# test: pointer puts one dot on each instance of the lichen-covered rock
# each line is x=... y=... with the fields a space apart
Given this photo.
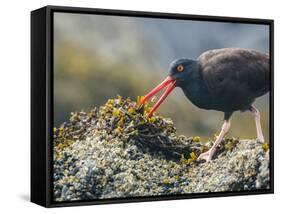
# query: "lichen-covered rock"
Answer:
x=246 y=167
x=115 y=151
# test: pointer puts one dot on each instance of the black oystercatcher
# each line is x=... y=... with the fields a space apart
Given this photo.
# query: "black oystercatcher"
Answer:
x=226 y=80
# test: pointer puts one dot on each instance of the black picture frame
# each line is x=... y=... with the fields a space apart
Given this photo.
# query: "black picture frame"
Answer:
x=42 y=102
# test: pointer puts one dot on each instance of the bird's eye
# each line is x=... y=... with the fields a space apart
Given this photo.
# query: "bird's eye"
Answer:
x=180 y=68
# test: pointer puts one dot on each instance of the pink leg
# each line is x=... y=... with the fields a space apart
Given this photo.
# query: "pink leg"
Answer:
x=256 y=114
x=207 y=156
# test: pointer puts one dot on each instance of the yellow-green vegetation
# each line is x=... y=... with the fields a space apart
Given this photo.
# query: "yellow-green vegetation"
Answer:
x=265 y=146
x=230 y=143
x=131 y=111
x=61 y=141
x=204 y=148
x=152 y=119
x=167 y=181
x=139 y=99
x=192 y=158
x=196 y=139
x=143 y=109
x=63 y=136
x=171 y=180
x=119 y=116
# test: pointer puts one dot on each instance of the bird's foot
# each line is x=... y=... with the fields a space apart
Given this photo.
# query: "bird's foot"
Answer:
x=207 y=156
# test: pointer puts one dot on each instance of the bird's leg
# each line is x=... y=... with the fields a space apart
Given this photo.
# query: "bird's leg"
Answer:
x=207 y=156
x=256 y=114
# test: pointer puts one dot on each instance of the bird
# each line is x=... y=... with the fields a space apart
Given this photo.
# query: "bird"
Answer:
x=225 y=80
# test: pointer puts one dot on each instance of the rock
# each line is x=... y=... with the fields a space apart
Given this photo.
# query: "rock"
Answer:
x=246 y=167
x=115 y=151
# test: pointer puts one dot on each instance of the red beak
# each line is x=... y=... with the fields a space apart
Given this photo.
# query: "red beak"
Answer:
x=170 y=82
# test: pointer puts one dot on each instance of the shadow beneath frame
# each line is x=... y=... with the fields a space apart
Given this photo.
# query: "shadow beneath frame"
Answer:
x=24 y=197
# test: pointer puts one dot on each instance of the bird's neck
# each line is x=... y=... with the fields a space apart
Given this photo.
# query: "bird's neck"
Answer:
x=195 y=89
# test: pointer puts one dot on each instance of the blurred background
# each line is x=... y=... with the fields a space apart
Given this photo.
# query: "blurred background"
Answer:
x=97 y=57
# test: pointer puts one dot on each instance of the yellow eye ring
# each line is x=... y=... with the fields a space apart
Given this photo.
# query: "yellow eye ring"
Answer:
x=180 y=68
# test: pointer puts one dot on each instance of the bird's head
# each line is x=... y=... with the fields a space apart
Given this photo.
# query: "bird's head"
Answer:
x=179 y=71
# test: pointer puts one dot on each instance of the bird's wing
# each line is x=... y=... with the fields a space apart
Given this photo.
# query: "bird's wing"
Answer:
x=234 y=70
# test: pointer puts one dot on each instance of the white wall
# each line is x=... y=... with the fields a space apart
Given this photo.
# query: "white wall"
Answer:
x=15 y=99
